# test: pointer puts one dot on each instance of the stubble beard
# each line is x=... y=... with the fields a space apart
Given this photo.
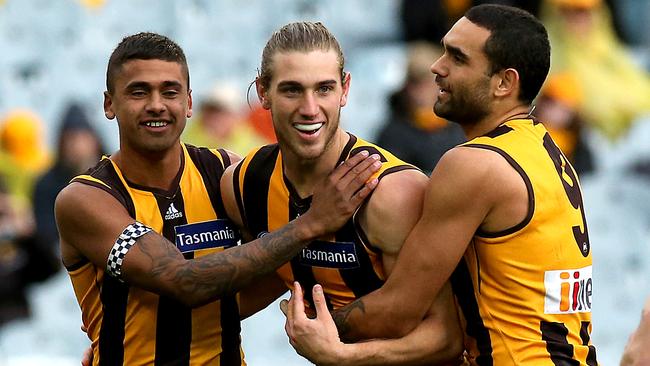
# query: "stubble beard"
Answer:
x=468 y=110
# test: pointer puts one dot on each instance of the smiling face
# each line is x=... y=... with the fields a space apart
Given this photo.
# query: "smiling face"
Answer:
x=305 y=96
x=151 y=102
x=462 y=75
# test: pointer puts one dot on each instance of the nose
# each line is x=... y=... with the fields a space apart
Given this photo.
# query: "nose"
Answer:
x=437 y=68
x=156 y=104
x=309 y=106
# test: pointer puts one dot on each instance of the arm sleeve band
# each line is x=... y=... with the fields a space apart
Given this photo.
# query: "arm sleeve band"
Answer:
x=122 y=245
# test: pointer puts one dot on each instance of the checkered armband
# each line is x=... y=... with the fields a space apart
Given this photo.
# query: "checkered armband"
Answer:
x=122 y=245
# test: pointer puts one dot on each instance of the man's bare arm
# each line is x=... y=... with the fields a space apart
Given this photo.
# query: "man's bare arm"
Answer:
x=90 y=220
x=458 y=198
x=436 y=340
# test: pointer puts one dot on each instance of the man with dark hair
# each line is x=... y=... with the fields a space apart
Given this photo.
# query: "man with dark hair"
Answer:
x=144 y=233
x=503 y=218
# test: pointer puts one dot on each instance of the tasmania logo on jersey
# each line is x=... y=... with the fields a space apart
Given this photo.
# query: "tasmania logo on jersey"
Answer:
x=568 y=291
x=342 y=255
x=206 y=235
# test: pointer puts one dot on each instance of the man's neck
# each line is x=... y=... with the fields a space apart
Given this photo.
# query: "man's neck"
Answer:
x=305 y=174
x=495 y=119
x=155 y=170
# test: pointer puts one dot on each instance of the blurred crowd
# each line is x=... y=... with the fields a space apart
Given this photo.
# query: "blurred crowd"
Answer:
x=597 y=93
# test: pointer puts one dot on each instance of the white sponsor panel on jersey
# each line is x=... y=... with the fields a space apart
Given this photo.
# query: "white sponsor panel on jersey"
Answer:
x=568 y=291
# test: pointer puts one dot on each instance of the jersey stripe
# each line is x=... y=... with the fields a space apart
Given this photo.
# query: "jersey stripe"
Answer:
x=257 y=189
x=363 y=279
x=230 y=330
x=174 y=320
x=461 y=283
x=114 y=297
x=584 y=336
x=210 y=166
x=555 y=336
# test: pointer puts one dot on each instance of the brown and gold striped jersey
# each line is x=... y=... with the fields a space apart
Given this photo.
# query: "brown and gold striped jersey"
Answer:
x=345 y=264
x=526 y=292
x=131 y=326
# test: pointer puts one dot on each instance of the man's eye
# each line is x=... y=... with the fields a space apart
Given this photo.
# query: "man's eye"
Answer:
x=292 y=90
x=325 y=89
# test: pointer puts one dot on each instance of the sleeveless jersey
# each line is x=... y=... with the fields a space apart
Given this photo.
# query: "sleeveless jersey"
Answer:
x=131 y=326
x=345 y=264
x=526 y=292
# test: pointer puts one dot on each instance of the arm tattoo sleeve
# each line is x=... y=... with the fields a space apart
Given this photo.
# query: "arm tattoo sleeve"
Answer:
x=342 y=316
x=219 y=274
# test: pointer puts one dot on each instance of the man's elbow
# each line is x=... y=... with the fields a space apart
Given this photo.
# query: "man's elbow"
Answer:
x=400 y=325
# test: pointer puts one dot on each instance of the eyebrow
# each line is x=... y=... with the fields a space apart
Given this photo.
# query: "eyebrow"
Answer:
x=146 y=85
x=295 y=83
x=455 y=51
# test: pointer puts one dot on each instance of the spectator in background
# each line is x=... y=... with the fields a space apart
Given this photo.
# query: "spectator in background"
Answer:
x=14 y=259
x=79 y=148
x=616 y=90
x=23 y=155
x=556 y=107
x=221 y=122
x=262 y=122
x=413 y=132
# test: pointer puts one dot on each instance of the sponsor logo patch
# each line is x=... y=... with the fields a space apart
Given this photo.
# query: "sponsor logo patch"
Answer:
x=172 y=212
x=206 y=235
x=568 y=291
x=341 y=255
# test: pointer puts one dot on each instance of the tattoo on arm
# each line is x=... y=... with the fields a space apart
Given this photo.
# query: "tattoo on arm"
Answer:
x=220 y=274
x=342 y=315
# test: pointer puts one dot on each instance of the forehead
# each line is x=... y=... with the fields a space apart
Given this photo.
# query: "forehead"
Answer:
x=467 y=37
x=305 y=67
x=151 y=72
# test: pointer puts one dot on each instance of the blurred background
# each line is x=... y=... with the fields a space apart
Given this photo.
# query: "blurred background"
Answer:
x=53 y=57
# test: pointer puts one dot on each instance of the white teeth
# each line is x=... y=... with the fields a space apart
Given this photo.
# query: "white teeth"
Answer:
x=308 y=127
x=156 y=124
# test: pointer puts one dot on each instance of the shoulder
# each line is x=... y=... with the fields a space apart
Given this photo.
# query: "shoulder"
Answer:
x=79 y=199
x=398 y=187
x=471 y=177
x=470 y=165
x=393 y=209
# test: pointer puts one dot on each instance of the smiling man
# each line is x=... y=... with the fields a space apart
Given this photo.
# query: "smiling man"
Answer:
x=303 y=83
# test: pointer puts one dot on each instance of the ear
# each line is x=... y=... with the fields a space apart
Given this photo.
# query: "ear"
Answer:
x=346 y=88
x=508 y=83
x=108 y=106
x=262 y=95
x=189 y=104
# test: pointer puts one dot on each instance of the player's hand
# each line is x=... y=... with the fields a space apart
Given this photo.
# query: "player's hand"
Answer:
x=635 y=352
x=340 y=194
x=315 y=339
x=87 y=356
